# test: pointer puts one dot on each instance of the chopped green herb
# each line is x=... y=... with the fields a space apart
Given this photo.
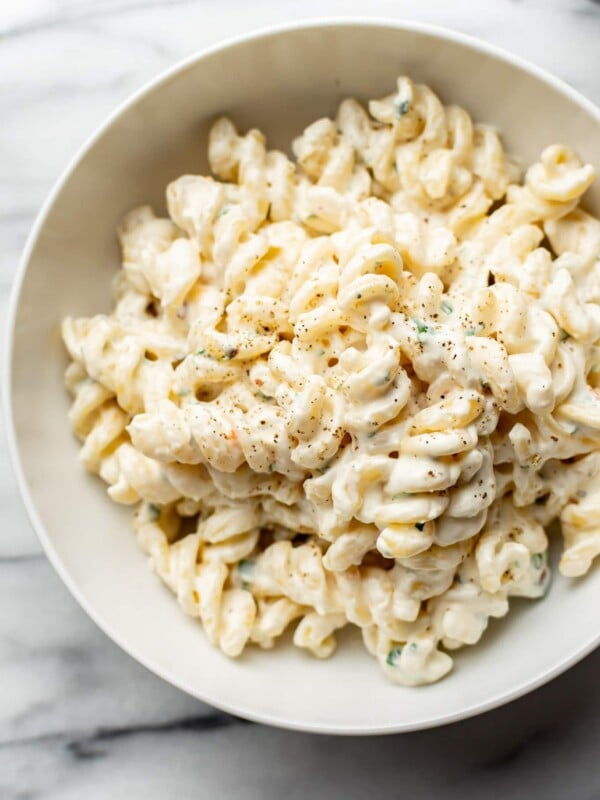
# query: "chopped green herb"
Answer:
x=372 y=434
x=421 y=326
x=447 y=307
x=394 y=656
x=383 y=380
x=153 y=512
x=271 y=467
x=323 y=470
x=413 y=647
x=223 y=210
x=475 y=331
x=419 y=525
x=246 y=568
x=264 y=396
x=423 y=330
x=200 y=352
x=401 y=107
x=485 y=384
x=321 y=352
x=537 y=560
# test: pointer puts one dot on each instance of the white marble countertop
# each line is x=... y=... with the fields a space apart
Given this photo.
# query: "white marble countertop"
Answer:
x=80 y=719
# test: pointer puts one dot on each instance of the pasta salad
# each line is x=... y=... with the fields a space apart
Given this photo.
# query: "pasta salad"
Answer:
x=354 y=387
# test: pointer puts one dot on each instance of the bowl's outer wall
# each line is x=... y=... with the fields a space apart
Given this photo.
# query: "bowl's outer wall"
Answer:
x=278 y=83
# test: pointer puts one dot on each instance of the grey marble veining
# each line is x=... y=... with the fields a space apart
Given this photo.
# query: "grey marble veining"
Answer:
x=79 y=718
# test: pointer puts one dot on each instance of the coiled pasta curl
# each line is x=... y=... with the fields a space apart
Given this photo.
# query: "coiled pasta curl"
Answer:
x=100 y=422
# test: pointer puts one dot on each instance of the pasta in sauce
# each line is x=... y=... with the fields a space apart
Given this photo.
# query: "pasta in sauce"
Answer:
x=354 y=388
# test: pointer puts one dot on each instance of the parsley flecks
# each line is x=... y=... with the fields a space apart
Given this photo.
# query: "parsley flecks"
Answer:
x=383 y=380
x=446 y=307
x=421 y=326
x=423 y=330
x=263 y=396
x=475 y=331
x=393 y=656
x=537 y=560
x=419 y=525
x=223 y=210
x=401 y=107
x=153 y=512
x=246 y=568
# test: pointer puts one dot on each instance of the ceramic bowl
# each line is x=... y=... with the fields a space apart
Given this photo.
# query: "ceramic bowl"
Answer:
x=278 y=80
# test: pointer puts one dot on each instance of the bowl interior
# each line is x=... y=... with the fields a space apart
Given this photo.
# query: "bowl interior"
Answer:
x=278 y=82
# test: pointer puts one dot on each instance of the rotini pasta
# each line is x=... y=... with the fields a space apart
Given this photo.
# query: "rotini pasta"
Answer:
x=354 y=388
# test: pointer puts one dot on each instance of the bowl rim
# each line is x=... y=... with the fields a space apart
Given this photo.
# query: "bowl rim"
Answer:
x=435 y=31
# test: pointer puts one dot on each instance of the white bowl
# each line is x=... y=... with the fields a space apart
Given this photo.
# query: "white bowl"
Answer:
x=278 y=80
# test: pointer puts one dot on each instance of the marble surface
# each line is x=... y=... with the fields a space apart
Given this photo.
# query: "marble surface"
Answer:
x=80 y=719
